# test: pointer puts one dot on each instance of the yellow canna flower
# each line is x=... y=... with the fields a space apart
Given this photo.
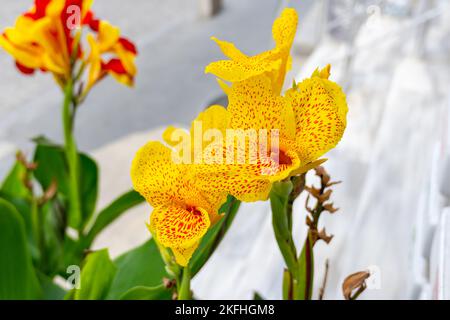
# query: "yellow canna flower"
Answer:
x=275 y=62
x=310 y=119
x=182 y=212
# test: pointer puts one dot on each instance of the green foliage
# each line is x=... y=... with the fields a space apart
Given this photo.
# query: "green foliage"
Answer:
x=17 y=277
x=52 y=166
x=214 y=235
x=141 y=266
x=112 y=212
x=96 y=276
x=147 y=293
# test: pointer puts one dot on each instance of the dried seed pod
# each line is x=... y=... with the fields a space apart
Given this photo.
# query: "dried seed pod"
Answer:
x=355 y=281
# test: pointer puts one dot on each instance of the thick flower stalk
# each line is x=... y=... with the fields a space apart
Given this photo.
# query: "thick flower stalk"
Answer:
x=49 y=38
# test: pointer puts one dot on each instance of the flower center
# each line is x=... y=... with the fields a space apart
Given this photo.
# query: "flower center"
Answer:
x=283 y=159
x=193 y=210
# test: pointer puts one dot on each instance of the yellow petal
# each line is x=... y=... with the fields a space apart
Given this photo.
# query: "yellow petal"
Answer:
x=108 y=36
x=25 y=55
x=178 y=227
x=95 y=64
x=183 y=255
x=162 y=182
x=274 y=63
x=283 y=31
x=154 y=175
x=253 y=105
x=285 y=27
x=124 y=79
x=229 y=49
x=320 y=110
x=239 y=70
x=127 y=58
x=213 y=118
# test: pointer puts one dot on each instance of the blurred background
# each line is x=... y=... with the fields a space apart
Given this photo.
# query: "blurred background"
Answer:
x=392 y=58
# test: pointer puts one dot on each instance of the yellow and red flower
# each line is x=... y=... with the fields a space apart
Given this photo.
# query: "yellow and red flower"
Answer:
x=310 y=118
x=182 y=211
x=48 y=38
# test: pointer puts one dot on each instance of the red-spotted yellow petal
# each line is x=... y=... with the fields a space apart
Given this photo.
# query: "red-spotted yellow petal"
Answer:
x=180 y=229
x=253 y=105
x=239 y=70
x=320 y=110
x=162 y=182
x=156 y=177
x=274 y=63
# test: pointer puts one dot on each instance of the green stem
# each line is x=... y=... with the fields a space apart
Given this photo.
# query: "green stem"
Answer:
x=71 y=156
x=184 y=291
x=305 y=278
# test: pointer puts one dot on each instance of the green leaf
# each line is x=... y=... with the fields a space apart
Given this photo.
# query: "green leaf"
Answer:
x=97 y=275
x=52 y=165
x=141 y=266
x=147 y=293
x=14 y=191
x=52 y=234
x=214 y=235
x=17 y=277
x=14 y=185
x=23 y=206
x=279 y=198
x=88 y=187
x=112 y=212
x=257 y=296
x=51 y=291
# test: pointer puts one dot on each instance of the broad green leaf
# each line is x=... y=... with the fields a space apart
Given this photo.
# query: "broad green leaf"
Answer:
x=73 y=253
x=24 y=207
x=17 y=276
x=141 y=266
x=147 y=293
x=52 y=165
x=214 y=235
x=14 y=185
x=52 y=238
x=14 y=191
x=50 y=290
x=112 y=212
x=97 y=275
